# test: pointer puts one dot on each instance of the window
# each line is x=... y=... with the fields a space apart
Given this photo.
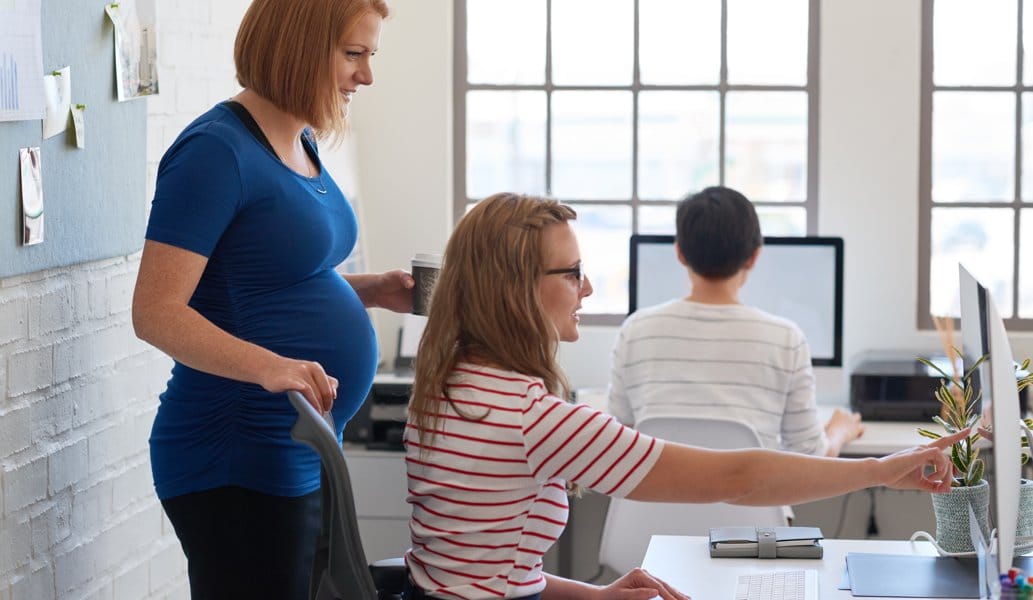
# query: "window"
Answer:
x=621 y=107
x=976 y=148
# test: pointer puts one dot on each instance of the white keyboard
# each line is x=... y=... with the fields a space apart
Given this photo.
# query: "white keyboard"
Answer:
x=778 y=585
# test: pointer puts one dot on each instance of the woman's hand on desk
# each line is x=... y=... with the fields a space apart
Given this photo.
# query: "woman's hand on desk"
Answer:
x=638 y=584
x=841 y=429
x=907 y=468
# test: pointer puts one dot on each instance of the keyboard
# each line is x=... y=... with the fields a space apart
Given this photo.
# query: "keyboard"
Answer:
x=778 y=585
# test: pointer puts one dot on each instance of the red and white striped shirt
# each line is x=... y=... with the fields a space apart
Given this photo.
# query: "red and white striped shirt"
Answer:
x=489 y=497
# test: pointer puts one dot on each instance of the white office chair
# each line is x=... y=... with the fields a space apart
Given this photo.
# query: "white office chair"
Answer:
x=629 y=524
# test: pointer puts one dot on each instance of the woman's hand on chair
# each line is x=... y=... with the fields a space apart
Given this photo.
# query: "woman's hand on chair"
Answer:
x=305 y=376
x=638 y=584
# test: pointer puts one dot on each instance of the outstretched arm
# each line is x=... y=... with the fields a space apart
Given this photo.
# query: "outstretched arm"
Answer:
x=767 y=477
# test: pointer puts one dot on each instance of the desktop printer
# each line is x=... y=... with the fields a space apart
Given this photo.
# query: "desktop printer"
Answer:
x=894 y=389
x=380 y=422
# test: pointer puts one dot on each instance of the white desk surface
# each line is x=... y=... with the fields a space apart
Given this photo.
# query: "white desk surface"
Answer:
x=685 y=563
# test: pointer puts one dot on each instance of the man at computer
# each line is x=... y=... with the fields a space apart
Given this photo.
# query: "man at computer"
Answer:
x=708 y=355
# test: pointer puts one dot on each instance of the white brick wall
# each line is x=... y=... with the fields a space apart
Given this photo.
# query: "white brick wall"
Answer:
x=78 y=391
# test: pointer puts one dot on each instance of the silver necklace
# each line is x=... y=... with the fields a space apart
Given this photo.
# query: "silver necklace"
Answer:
x=318 y=184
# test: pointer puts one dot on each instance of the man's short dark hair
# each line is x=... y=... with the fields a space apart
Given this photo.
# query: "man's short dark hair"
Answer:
x=717 y=231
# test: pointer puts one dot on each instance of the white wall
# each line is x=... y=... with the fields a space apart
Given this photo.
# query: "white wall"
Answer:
x=868 y=169
x=402 y=130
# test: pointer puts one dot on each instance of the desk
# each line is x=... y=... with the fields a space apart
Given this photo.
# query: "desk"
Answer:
x=685 y=563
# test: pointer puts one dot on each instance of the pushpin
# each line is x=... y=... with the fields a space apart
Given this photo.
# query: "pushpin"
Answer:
x=1013 y=573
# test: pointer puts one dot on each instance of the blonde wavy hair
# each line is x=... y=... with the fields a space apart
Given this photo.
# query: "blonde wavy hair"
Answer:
x=486 y=307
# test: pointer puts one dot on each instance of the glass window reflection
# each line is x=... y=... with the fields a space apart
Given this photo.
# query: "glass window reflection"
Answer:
x=981 y=239
x=766 y=145
x=505 y=142
x=591 y=141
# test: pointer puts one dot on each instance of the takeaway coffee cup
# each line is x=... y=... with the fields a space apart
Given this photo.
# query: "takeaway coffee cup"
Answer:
x=425 y=269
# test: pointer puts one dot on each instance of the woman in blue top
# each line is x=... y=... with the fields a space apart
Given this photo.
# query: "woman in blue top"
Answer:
x=237 y=283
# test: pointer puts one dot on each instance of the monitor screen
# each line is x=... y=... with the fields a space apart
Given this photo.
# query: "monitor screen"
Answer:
x=799 y=278
x=983 y=332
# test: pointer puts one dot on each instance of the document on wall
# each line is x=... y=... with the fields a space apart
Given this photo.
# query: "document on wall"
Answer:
x=136 y=47
x=32 y=196
x=79 y=124
x=21 y=61
x=57 y=91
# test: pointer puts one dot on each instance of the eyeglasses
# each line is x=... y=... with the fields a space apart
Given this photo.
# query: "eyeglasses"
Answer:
x=575 y=271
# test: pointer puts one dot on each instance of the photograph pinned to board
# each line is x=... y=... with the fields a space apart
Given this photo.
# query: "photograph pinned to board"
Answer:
x=32 y=196
x=21 y=61
x=57 y=90
x=79 y=125
x=136 y=47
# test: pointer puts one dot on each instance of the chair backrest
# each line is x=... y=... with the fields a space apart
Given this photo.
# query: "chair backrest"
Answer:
x=340 y=569
x=630 y=524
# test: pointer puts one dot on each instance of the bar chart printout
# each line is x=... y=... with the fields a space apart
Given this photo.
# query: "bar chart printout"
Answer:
x=21 y=61
x=8 y=83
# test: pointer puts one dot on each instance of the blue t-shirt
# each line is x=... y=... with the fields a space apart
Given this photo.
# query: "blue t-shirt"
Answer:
x=272 y=242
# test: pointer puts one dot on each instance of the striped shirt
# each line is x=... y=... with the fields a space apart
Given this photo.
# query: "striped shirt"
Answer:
x=489 y=496
x=725 y=361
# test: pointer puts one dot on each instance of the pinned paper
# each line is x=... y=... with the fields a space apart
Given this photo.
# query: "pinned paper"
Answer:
x=79 y=123
x=32 y=196
x=136 y=47
x=21 y=61
x=57 y=90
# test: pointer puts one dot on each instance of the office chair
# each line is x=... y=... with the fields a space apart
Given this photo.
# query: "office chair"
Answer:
x=630 y=524
x=340 y=569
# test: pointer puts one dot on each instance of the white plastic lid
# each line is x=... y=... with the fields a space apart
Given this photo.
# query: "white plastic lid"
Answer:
x=427 y=260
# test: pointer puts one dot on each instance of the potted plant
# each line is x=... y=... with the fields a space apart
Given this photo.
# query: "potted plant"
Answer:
x=959 y=403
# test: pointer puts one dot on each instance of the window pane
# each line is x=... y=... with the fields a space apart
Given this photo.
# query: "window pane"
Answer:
x=591 y=143
x=774 y=220
x=1027 y=40
x=669 y=31
x=1026 y=182
x=603 y=233
x=974 y=44
x=1026 y=265
x=505 y=142
x=677 y=143
x=973 y=146
x=656 y=219
x=782 y=221
x=979 y=238
x=766 y=145
x=767 y=41
x=494 y=28
x=592 y=42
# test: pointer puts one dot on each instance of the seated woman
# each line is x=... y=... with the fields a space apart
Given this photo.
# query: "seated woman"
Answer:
x=493 y=447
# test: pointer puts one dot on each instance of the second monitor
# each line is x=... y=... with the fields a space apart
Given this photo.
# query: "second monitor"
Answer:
x=799 y=278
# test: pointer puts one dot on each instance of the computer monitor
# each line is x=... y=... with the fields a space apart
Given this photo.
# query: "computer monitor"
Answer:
x=799 y=278
x=982 y=331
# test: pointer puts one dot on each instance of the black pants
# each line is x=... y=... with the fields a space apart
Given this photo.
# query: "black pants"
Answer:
x=241 y=543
